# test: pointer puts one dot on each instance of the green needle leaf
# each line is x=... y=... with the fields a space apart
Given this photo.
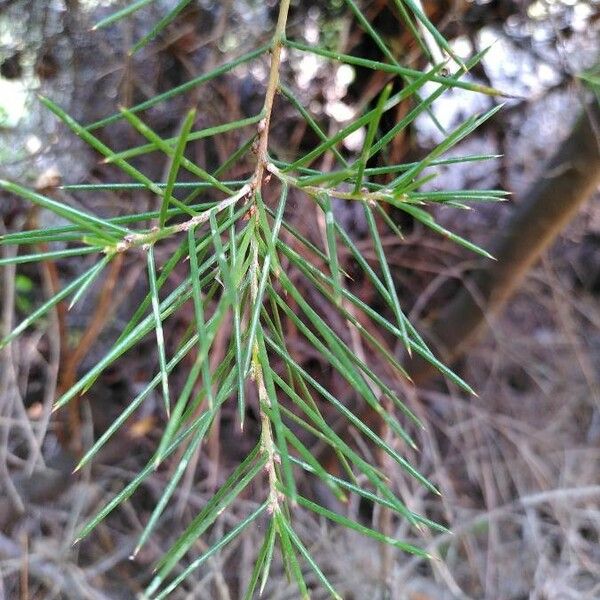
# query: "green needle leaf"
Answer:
x=367 y=531
x=52 y=302
x=121 y=14
x=203 y=340
x=85 y=135
x=396 y=69
x=168 y=18
x=263 y=563
x=309 y=559
x=56 y=255
x=370 y=137
x=332 y=252
x=235 y=532
x=246 y=471
x=228 y=66
x=193 y=168
x=182 y=465
x=428 y=221
x=160 y=339
x=135 y=404
x=86 y=221
x=290 y=560
x=88 y=282
x=387 y=276
x=431 y=29
x=193 y=136
x=175 y=162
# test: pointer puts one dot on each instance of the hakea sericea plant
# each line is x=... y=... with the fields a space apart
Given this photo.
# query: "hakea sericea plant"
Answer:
x=232 y=251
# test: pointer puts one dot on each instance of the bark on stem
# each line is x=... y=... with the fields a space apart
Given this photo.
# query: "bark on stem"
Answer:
x=264 y=125
x=272 y=86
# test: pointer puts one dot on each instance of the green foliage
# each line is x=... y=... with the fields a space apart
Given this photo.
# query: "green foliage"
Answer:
x=591 y=78
x=233 y=253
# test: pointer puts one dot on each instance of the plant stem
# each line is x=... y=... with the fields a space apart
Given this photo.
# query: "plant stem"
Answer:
x=262 y=149
x=253 y=187
x=312 y=190
x=262 y=153
x=267 y=443
x=144 y=239
x=272 y=86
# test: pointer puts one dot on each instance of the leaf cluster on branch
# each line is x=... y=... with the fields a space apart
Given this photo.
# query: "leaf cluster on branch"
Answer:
x=238 y=265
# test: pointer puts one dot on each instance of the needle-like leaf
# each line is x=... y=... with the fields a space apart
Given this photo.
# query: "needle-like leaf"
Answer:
x=86 y=221
x=164 y=22
x=160 y=338
x=121 y=14
x=175 y=162
x=52 y=302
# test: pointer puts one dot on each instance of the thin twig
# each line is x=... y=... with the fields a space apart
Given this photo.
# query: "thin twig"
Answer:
x=272 y=86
